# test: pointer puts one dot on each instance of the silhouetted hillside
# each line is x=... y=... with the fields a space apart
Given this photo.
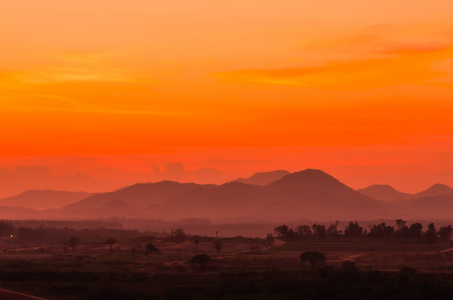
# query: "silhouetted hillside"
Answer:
x=315 y=194
x=309 y=194
x=389 y=194
x=263 y=178
x=383 y=192
x=437 y=207
x=11 y=212
x=435 y=190
x=139 y=195
x=44 y=199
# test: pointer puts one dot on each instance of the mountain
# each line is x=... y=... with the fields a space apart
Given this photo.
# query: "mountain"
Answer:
x=309 y=194
x=383 y=192
x=388 y=194
x=139 y=195
x=12 y=212
x=263 y=178
x=433 y=207
x=315 y=194
x=44 y=199
x=435 y=190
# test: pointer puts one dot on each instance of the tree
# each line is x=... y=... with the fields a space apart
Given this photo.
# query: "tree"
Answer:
x=303 y=231
x=178 y=234
x=200 y=259
x=445 y=232
x=333 y=229
x=415 y=230
x=353 y=229
x=431 y=234
x=73 y=242
x=315 y=258
x=110 y=242
x=196 y=242
x=381 y=230
x=218 y=245
x=400 y=223
x=319 y=230
x=6 y=229
x=270 y=237
x=282 y=230
x=150 y=248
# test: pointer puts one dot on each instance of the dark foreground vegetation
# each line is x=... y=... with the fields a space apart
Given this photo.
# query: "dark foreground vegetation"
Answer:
x=125 y=264
x=118 y=279
x=375 y=231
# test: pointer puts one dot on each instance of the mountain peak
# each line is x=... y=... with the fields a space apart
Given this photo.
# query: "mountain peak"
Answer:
x=312 y=175
x=309 y=178
x=263 y=178
x=436 y=190
x=383 y=192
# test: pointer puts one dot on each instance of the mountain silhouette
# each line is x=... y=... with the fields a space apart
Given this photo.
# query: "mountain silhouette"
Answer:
x=434 y=207
x=389 y=194
x=44 y=199
x=310 y=194
x=317 y=195
x=139 y=195
x=263 y=178
x=384 y=192
x=435 y=190
x=18 y=213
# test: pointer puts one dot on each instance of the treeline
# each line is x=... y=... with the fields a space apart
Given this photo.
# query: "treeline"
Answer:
x=43 y=234
x=354 y=230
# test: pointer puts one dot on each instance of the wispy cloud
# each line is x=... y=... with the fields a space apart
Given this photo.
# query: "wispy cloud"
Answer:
x=400 y=65
x=376 y=56
x=80 y=82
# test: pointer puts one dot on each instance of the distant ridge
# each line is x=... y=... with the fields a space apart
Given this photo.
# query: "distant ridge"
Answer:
x=389 y=194
x=263 y=178
x=44 y=199
x=384 y=192
x=309 y=194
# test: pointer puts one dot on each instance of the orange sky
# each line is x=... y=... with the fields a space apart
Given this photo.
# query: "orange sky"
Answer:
x=139 y=90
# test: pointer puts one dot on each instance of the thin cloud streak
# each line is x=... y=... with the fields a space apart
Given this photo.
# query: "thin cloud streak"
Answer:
x=402 y=65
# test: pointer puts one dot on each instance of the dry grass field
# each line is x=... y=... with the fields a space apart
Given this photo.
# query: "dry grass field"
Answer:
x=262 y=267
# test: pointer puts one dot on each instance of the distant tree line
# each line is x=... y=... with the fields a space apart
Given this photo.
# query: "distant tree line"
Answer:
x=354 y=230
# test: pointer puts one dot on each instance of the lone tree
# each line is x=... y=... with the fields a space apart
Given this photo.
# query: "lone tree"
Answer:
x=315 y=258
x=110 y=242
x=218 y=245
x=200 y=259
x=73 y=242
x=196 y=243
x=150 y=248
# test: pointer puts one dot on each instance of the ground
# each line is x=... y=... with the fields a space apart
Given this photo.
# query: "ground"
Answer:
x=91 y=272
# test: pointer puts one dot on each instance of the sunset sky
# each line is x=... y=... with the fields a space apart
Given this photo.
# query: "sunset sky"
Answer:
x=96 y=94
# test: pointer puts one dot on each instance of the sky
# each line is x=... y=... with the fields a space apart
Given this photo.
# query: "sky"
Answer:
x=98 y=94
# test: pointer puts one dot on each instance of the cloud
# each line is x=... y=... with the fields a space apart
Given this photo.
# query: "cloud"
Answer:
x=400 y=65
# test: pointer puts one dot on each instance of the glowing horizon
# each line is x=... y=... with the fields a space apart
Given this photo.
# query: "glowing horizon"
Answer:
x=119 y=91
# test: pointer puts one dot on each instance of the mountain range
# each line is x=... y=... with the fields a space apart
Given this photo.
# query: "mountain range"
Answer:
x=274 y=196
x=389 y=194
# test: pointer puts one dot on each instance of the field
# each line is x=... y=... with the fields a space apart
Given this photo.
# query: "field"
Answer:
x=244 y=268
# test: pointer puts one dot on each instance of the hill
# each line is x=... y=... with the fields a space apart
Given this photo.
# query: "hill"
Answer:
x=44 y=199
x=263 y=178
x=389 y=194
x=383 y=192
